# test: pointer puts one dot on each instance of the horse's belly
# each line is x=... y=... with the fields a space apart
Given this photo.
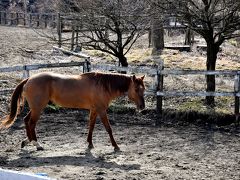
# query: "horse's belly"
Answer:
x=71 y=101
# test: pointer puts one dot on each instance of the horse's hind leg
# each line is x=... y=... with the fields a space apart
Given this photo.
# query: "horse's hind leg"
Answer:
x=92 y=121
x=26 y=121
x=32 y=125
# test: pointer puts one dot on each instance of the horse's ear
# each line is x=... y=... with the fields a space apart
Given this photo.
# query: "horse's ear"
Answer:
x=134 y=78
x=143 y=77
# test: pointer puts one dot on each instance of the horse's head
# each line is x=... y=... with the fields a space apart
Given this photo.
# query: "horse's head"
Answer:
x=136 y=91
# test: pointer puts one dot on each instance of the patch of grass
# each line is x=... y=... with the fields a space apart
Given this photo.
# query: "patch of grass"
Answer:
x=174 y=59
x=193 y=104
x=120 y=109
x=121 y=105
x=194 y=116
x=233 y=42
x=99 y=54
x=135 y=56
x=227 y=64
x=52 y=108
x=139 y=56
x=222 y=105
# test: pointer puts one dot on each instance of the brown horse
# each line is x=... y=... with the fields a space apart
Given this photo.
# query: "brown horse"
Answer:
x=93 y=91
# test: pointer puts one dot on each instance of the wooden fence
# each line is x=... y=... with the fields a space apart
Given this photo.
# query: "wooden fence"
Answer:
x=161 y=93
x=36 y=20
x=27 y=68
x=156 y=71
x=158 y=90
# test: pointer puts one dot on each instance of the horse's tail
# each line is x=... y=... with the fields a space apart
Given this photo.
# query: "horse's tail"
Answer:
x=15 y=99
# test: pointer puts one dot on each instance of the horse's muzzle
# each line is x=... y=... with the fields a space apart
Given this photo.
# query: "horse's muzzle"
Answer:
x=141 y=107
x=142 y=104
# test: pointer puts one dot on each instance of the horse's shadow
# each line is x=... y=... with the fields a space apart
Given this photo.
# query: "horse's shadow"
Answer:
x=27 y=159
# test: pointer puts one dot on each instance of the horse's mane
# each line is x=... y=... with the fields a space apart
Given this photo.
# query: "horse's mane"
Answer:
x=111 y=82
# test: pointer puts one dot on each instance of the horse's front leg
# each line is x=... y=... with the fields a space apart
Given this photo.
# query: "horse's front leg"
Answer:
x=92 y=121
x=105 y=121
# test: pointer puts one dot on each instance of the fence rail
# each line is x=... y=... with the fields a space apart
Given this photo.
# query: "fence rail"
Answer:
x=26 y=68
x=151 y=71
x=199 y=93
x=199 y=72
x=6 y=91
x=40 y=66
x=161 y=93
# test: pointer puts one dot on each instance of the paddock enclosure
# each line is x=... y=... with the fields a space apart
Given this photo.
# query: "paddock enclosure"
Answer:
x=172 y=151
x=179 y=148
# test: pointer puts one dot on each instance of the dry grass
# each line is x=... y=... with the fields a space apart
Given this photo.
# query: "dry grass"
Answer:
x=228 y=59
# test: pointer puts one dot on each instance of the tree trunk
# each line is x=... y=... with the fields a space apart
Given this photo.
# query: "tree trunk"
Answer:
x=123 y=60
x=157 y=33
x=212 y=50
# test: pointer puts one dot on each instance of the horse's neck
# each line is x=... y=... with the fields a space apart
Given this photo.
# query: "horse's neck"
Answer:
x=117 y=86
x=119 y=94
x=116 y=94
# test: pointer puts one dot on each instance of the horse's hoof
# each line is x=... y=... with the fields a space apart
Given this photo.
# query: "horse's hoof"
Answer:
x=40 y=148
x=23 y=144
x=117 y=149
x=90 y=146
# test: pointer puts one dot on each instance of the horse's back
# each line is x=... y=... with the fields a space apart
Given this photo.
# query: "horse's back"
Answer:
x=79 y=91
x=64 y=90
x=42 y=82
x=48 y=76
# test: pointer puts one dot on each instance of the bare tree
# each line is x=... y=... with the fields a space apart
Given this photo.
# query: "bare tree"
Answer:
x=215 y=20
x=4 y=4
x=112 y=26
x=157 y=30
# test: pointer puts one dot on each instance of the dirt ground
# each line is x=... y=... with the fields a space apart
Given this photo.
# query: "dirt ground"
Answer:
x=175 y=150
x=171 y=151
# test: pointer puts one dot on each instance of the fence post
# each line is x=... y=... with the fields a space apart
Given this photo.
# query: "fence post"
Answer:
x=237 y=90
x=24 y=19
x=38 y=20
x=77 y=29
x=87 y=66
x=159 y=89
x=59 y=30
x=11 y=19
x=17 y=19
x=1 y=17
x=73 y=36
x=25 y=72
x=149 y=38
x=30 y=20
x=53 y=21
x=45 y=20
x=5 y=18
